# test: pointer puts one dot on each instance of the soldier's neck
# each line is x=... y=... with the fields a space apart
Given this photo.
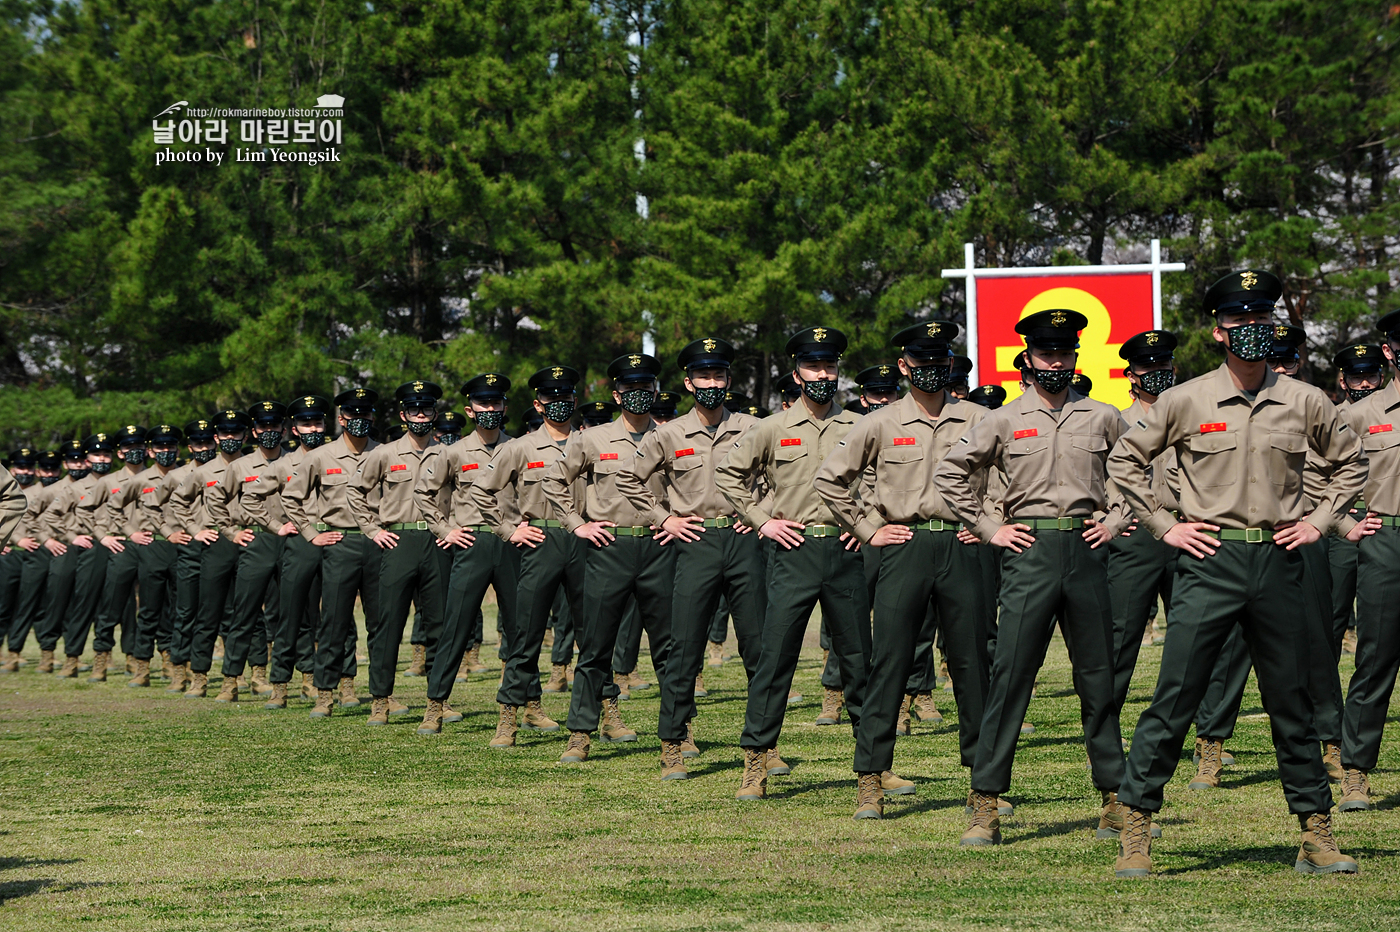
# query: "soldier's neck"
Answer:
x=1247 y=376
x=488 y=437
x=820 y=412
x=132 y=470
x=709 y=416
x=929 y=403
x=636 y=423
x=272 y=454
x=419 y=441
x=1052 y=402
x=557 y=432
x=355 y=444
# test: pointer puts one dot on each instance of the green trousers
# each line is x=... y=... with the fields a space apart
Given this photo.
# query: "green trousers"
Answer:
x=294 y=644
x=562 y=620
x=489 y=561
x=722 y=563
x=116 y=607
x=1059 y=575
x=557 y=563
x=419 y=634
x=1343 y=558
x=923 y=675
x=187 y=564
x=1259 y=587
x=629 y=639
x=156 y=565
x=411 y=567
x=1219 y=710
x=630 y=566
x=258 y=561
x=218 y=566
x=59 y=587
x=87 y=594
x=1140 y=570
x=934 y=566
x=819 y=571
x=349 y=568
x=1377 y=648
x=11 y=570
x=29 y=600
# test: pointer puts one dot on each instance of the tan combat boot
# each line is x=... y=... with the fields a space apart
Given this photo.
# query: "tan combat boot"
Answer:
x=576 y=752
x=45 y=661
x=534 y=718
x=167 y=668
x=348 y=699
x=775 y=764
x=1318 y=852
x=635 y=681
x=870 y=798
x=11 y=664
x=142 y=675
x=1332 y=760
x=700 y=691
x=1226 y=758
x=179 y=678
x=901 y=728
x=432 y=719
x=892 y=784
x=419 y=661
x=1004 y=807
x=794 y=696
x=1208 y=770
x=219 y=648
x=473 y=657
x=613 y=728
x=1134 y=844
x=1349 y=641
x=985 y=828
x=1356 y=791
x=378 y=711
x=1027 y=728
x=926 y=710
x=199 y=686
x=450 y=715
x=100 y=660
x=1111 y=818
x=130 y=664
x=558 y=678
x=18 y=659
x=261 y=686
x=623 y=689
x=325 y=702
x=463 y=668
x=278 y=699
x=396 y=707
x=242 y=683
x=716 y=654
x=754 y=785
x=229 y=691
x=308 y=686
x=505 y=728
x=673 y=761
x=689 y=748
x=832 y=701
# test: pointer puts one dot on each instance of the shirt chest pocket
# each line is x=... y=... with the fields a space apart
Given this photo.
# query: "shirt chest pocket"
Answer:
x=1382 y=451
x=398 y=474
x=1087 y=455
x=902 y=469
x=1210 y=460
x=1287 y=454
x=1026 y=456
x=686 y=475
x=335 y=477
x=791 y=465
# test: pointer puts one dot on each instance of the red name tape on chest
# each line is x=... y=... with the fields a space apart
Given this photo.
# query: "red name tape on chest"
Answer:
x=1022 y=434
x=148 y=491
x=211 y=482
x=397 y=467
x=688 y=451
x=116 y=491
x=904 y=441
x=607 y=456
x=466 y=466
x=1211 y=428
x=790 y=442
x=536 y=465
x=1380 y=428
x=334 y=472
x=251 y=478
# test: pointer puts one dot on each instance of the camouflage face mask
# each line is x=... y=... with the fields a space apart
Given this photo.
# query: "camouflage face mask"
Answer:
x=1250 y=342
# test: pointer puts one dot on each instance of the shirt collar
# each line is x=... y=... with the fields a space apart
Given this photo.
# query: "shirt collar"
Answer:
x=1225 y=385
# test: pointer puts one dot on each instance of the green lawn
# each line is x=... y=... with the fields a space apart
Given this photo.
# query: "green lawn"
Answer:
x=133 y=809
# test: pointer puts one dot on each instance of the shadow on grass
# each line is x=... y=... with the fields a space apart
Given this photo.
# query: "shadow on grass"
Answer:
x=10 y=864
x=1052 y=830
x=16 y=889
x=1282 y=856
x=899 y=810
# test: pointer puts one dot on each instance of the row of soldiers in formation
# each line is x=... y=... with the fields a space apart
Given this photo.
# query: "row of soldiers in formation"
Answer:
x=1229 y=496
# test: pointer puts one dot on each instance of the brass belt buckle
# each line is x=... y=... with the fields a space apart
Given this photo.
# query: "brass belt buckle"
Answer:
x=1064 y=524
x=1253 y=535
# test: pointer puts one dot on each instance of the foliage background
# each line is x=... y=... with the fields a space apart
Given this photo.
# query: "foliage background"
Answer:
x=804 y=161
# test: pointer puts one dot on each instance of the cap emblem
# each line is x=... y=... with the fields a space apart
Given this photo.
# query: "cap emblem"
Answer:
x=1281 y=331
x=1361 y=351
x=819 y=334
x=1153 y=339
x=709 y=345
x=490 y=378
x=884 y=370
x=417 y=386
x=1058 y=319
x=1248 y=280
x=634 y=360
x=557 y=372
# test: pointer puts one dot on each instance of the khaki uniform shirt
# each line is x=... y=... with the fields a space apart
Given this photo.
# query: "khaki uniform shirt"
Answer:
x=594 y=458
x=520 y=465
x=785 y=450
x=158 y=505
x=13 y=504
x=188 y=499
x=126 y=499
x=1163 y=473
x=1054 y=466
x=685 y=454
x=87 y=515
x=904 y=447
x=387 y=474
x=454 y=469
x=1242 y=464
x=287 y=464
x=51 y=523
x=317 y=493
x=1376 y=420
x=234 y=505
x=37 y=497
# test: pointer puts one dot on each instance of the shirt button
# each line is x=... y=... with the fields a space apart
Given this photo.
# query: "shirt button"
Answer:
x=1252 y=509
x=1251 y=449
x=1252 y=479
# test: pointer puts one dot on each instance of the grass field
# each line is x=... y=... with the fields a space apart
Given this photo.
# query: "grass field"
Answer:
x=134 y=809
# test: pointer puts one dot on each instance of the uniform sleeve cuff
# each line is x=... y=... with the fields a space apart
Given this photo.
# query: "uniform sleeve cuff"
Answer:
x=985 y=529
x=756 y=518
x=504 y=531
x=572 y=522
x=659 y=516
x=1160 y=522
x=1345 y=524
x=865 y=529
